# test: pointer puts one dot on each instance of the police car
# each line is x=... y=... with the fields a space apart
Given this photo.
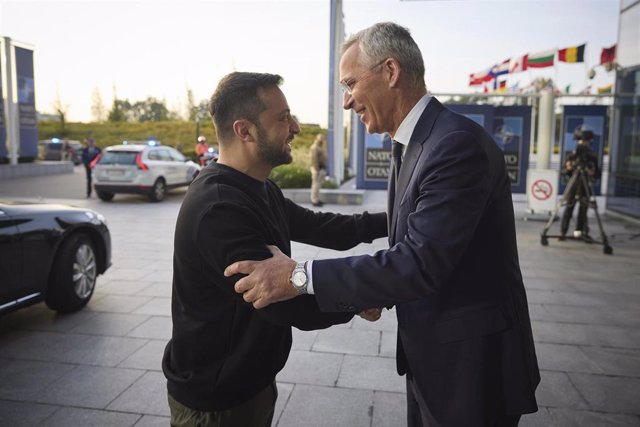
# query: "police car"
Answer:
x=141 y=167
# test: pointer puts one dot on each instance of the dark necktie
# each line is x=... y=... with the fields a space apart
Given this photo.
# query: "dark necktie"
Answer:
x=396 y=152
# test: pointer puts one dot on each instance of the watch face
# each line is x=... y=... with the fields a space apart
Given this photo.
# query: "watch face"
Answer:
x=299 y=279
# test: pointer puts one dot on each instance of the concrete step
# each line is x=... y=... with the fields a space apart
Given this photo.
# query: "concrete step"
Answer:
x=35 y=169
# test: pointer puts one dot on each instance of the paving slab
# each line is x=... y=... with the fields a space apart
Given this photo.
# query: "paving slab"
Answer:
x=103 y=362
x=146 y=396
x=66 y=417
x=21 y=414
x=332 y=407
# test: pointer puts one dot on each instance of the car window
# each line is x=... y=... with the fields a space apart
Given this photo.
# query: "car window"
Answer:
x=176 y=155
x=163 y=154
x=118 y=158
x=154 y=155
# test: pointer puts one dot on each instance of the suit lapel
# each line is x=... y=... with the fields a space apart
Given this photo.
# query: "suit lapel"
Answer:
x=411 y=156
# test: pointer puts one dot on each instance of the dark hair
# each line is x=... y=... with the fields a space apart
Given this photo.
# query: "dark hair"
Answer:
x=582 y=133
x=236 y=97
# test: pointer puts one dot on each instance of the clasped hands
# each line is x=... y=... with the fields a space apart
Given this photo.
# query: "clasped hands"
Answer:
x=267 y=282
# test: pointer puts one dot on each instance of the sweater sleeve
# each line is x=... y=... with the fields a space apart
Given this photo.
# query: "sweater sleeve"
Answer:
x=334 y=231
x=229 y=232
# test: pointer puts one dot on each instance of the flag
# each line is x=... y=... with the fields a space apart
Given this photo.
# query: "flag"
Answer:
x=502 y=86
x=518 y=64
x=501 y=69
x=606 y=89
x=572 y=54
x=585 y=91
x=540 y=59
x=608 y=55
x=481 y=77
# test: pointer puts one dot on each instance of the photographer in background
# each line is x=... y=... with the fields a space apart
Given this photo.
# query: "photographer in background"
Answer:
x=582 y=161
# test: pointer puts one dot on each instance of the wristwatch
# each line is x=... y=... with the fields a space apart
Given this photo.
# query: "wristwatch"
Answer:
x=299 y=278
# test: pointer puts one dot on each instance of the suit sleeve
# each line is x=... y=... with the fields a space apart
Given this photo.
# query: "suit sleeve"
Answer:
x=450 y=191
x=228 y=233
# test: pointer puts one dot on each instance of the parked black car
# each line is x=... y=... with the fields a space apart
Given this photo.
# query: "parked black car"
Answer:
x=52 y=253
x=55 y=148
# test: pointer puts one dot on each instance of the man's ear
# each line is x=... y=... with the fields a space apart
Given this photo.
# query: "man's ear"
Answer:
x=243 y=129
x=392 y=70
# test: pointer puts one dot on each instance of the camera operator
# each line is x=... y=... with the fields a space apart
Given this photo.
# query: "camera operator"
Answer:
x=582 y=161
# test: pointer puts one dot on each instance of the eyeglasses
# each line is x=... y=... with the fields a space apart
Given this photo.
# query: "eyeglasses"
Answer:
x=348 y=85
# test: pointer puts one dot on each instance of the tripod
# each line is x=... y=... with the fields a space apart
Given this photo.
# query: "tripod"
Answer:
x=579 y=181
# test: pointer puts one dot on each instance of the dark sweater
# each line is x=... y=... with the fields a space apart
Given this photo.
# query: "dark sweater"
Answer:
x=223 y=351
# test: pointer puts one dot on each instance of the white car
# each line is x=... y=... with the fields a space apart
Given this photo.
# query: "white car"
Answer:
x=143 y=168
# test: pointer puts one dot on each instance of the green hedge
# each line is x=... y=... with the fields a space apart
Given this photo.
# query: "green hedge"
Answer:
x=182 y=135
x=291 y=176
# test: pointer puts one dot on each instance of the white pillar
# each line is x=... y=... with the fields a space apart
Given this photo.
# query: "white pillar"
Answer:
x=336 y=117
x=546 y=121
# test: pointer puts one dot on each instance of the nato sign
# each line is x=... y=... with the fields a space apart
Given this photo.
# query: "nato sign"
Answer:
x=26 y=102
x=509 y=126
x=592 y=117
x=375 y=161
x=511 y=130
x=3 y=130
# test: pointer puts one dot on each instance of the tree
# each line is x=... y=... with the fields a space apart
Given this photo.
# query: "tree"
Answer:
x=191 y=106
x=150 y=110
x=97 y=106
x=61 y=110
x=119 y=110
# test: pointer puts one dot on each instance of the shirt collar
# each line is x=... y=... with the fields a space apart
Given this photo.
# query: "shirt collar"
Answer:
x=404 y=132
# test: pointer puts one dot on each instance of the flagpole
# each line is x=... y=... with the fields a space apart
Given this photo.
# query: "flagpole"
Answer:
x=555 y=68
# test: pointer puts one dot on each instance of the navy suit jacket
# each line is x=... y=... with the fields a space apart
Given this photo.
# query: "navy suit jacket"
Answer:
x=452 y=271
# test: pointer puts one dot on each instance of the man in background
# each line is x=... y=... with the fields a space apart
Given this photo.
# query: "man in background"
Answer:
x=318 y=169
x=583 y=163
x=89 y=153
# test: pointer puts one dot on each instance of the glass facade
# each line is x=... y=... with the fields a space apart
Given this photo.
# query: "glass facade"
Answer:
x=624 y=178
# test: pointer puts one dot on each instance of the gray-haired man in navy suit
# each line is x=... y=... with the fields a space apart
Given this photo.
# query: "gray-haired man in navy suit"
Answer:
x=464 y=334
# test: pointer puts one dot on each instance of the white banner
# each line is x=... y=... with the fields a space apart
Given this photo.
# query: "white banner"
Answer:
x=542 y=190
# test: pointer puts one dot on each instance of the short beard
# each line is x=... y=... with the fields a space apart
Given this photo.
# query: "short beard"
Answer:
x=271 y=152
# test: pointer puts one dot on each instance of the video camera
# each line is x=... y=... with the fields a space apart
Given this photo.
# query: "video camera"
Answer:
x=584 y=157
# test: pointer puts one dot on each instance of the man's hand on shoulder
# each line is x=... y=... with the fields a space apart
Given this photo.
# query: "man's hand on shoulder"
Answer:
x=266 y=281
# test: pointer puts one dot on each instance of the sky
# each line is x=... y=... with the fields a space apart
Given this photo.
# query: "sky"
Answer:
x=138 y=49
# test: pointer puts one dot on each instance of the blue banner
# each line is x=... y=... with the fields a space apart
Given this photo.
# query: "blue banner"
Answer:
x=3 y=129
x=374 y=161
x=26 y=103
x=592 y=117
x=509 y=126
x=481 y=114
x=512 y=132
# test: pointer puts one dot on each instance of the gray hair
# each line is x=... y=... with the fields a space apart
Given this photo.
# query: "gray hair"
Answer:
x=389 y=40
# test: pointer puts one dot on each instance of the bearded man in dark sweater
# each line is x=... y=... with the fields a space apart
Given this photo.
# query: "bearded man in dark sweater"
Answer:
x=223 y=356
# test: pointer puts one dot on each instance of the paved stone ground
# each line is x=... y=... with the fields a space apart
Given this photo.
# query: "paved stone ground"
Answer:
x=101 y=366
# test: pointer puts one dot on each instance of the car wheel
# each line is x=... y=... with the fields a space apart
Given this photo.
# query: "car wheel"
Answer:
x=74 y=274
x=158 y=191
x=104 y=195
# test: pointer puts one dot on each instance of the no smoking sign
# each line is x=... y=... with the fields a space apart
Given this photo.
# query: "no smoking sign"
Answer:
x=541 y=189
